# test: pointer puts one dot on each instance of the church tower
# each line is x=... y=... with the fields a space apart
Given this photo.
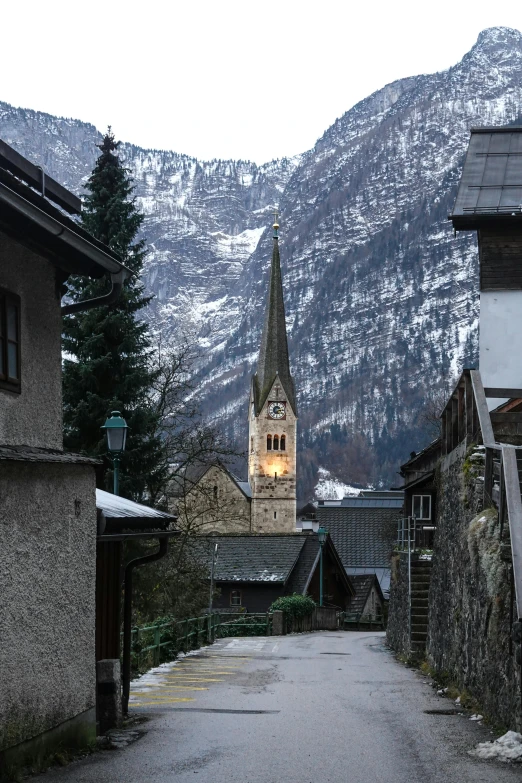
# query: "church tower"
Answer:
x=273 y=419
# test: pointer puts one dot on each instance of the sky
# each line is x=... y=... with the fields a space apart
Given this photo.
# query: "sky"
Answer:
x=252 y=80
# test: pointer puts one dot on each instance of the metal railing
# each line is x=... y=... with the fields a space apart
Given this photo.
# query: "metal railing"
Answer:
x=164 y=640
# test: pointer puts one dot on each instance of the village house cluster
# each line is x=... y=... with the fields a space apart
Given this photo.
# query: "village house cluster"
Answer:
x=444 y=551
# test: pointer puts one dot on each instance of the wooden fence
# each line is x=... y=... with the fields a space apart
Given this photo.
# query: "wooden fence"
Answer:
x=322 y=619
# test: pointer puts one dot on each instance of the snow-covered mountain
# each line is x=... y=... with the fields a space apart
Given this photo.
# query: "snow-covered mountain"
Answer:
x=381 y=298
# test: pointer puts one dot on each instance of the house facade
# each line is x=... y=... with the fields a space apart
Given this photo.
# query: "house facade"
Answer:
x=252 y=571
x=48 y=506
x=462 y=608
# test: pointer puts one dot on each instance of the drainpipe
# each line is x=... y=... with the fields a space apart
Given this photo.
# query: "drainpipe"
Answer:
x=214 y=561
x=410 y=520
x=127 y=616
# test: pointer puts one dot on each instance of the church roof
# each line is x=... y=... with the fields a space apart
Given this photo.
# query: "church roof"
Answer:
x=273 y=355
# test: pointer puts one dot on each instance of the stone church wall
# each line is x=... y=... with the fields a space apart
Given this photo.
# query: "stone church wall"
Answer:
x=215 y=505
x=469 y=603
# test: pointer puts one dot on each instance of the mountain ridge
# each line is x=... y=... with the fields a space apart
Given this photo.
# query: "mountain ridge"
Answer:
x=381 y=300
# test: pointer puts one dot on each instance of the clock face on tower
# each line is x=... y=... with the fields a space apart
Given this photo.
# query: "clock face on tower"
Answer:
x=277 y=410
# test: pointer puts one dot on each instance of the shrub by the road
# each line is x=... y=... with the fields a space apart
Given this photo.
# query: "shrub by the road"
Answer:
x=294 y=605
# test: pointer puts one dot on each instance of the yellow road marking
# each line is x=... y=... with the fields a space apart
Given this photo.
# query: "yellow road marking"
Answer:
x=192 y=677
x=196 y=673
x=208 y=666
x=170 y=687
x=163 y=698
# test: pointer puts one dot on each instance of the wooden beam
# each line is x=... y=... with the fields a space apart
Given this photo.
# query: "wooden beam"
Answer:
x=514 y=506
x=491 y=392
x=469 y=408
x=461 y=414
x=505 y=418
x=488 y=478
x=21 y=167
x=454 y=422
x=486 y=428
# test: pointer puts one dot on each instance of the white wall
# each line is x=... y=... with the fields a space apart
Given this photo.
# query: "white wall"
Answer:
x=500 y=345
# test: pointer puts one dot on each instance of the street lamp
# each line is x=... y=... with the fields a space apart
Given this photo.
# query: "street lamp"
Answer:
x=321 y=535
x=116 y=429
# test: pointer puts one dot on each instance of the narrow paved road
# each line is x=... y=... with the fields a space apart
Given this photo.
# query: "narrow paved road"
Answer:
x=311 y=708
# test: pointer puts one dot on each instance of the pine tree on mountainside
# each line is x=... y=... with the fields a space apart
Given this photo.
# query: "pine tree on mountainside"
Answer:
x=110 y=344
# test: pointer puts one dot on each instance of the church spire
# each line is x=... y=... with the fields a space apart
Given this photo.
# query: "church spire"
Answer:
x=273 y=354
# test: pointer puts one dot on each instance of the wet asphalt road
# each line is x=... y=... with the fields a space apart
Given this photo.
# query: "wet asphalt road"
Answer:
x=327 y=707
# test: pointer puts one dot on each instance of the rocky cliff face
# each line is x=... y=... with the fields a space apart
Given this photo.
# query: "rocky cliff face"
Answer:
x=381 y=298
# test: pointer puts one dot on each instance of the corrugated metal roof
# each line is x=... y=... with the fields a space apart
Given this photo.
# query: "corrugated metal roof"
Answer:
x=372 y=502
x=491 y=181
x=117 y=507
x=382 y=493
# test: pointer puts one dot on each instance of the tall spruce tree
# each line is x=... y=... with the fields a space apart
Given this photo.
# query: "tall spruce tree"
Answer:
x=109 y=346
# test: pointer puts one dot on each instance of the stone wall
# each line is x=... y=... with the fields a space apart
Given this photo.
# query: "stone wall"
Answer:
x=47 y=610
x=34 y=416
x=215 y=505
x=397 y=630
x=469 y=604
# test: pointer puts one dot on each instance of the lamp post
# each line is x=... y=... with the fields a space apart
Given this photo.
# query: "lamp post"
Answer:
x=116 y=429
x=321 y=535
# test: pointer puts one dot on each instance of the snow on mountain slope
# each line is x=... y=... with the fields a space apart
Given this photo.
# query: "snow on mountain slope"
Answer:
x=382 y=300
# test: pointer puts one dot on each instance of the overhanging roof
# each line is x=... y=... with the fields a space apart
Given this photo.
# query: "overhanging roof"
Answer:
x=491 y=183
x=122 y=517
x=35 y=222
x=116 y=507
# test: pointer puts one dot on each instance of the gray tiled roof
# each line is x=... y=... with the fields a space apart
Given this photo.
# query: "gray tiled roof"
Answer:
x=363 y=584
x=31 y=454
x=363 y=536
x=304 y=566
x=491 y=182
x=254 y=558
x=383 y=576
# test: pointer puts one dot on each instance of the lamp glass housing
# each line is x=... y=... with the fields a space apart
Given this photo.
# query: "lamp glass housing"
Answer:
x=116 y=429
x=321 y=535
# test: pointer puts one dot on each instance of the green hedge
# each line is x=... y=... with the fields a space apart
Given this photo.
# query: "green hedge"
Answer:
x=294 y=605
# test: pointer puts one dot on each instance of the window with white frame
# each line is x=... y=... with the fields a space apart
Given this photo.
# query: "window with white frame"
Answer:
x=235 y=598
x=421 y=506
